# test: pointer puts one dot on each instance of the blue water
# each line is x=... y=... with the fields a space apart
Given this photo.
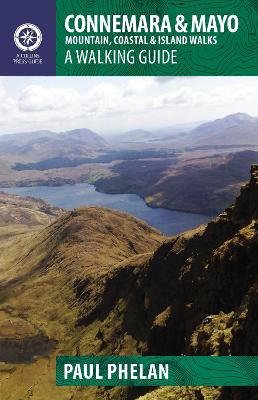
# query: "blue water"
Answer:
x=72 y=196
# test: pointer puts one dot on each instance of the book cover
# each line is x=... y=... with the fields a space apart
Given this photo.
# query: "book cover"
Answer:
x=128 y=200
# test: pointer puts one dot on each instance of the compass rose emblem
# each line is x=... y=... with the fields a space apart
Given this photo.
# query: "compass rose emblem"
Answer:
x=27 y=37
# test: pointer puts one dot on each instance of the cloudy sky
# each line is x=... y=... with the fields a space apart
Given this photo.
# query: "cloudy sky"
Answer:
x=113 y=105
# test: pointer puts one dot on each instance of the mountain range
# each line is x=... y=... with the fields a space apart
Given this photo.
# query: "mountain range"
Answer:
x=240 y=128
x=96 y=281
x=199 y=170
x=41 y=144
x=234 y=129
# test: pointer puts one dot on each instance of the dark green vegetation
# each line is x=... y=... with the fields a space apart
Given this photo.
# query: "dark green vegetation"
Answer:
x=202 y=185
x=64 y=162
x=96 y=281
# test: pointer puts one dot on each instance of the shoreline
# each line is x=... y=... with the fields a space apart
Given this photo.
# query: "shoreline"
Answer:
x=211 y=216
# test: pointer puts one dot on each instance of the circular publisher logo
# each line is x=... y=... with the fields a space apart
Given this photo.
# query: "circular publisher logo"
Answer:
x=27 y=37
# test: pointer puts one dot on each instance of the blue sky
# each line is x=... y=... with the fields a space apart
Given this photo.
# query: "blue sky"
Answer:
x=117 y=104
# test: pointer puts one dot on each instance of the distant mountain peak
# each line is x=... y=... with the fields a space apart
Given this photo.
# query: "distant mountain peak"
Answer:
x=86 y=136
x=229 y=119
x=233 y=129
x=47 y=142
x=241 y=115
x=138 y=130
x=81 y=131
x=238 y=117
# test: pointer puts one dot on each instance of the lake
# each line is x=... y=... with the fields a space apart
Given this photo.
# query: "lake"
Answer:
x=72 y=196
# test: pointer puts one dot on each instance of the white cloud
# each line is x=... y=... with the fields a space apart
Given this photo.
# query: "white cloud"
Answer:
x=40 y=106
x=139 y=85
x=35 y=98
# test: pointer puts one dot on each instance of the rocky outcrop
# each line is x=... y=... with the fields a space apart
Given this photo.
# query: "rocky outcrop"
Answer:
x=209 y=279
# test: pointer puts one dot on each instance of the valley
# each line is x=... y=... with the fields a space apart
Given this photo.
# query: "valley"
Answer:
x=169 y=222
x=64 y=292
x=196 y=169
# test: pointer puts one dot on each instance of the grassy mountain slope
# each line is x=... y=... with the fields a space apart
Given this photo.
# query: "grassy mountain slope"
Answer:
x=16 y=210
x=58 y=287
x=97 y=281
x=21 y=216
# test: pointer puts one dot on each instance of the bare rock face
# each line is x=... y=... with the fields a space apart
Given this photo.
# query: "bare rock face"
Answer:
x=209 y=279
